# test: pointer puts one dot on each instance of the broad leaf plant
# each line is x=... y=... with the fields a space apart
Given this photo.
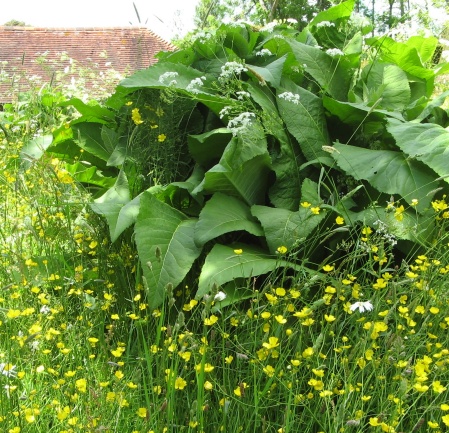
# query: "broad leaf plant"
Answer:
x=230 y=155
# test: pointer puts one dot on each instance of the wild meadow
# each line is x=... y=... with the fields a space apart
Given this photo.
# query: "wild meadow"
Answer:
x=249 y=236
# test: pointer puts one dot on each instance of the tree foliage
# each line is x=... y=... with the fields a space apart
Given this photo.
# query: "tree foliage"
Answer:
x=211 y=13
x=16 y=23
x=384 y=15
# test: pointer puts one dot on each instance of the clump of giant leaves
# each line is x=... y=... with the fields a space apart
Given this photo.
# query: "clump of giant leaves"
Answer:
x=326 y=117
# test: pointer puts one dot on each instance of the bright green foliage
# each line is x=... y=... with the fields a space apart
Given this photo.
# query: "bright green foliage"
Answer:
x=284 y=135
x=305 y=315
x=165 y=242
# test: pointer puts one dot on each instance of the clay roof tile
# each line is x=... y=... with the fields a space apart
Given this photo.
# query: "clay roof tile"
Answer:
x=36 y=51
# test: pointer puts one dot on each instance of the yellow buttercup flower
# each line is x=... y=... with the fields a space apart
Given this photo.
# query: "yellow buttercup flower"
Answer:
x=142 y=412
x=180 y=383
x=136 y=117
x=209 y=321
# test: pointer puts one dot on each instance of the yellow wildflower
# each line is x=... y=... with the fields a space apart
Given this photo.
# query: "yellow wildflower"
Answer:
x=136 y=117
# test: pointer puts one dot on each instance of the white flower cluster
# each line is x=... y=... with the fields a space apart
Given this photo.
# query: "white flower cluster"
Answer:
x=240 y=123
x=325 y=24
x=290 y=97
x=269 y=27
x=241 y=95
x=168 y=78
x=334 y=52
x=230 y=70
x=382 y=230
x=264 y=52
x=292 y=21
x=226 y=111
x=195 y=84
x=202 y=37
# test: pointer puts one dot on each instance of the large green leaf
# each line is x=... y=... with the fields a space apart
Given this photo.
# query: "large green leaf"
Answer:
x=285 y=158
x=432 y=104
x=164 y=239
x=271 y=73
x=247 y=145
x=248 y=182
x=355 y=113
x=353 y=50
x=425 y=46
x=90 y=113
x=426 y=142
x=178 y=77
x=286 y=228
x=208 y=147
x=342 y=10
x=224 y=214
x=90 y=175
x=327 y=71
x=34 y=149
x=404 y=56
x=388 y=171
x=119 y=154
x=111 y=204
x=163 y=75
x=119 y=217
x=239 y=39
x=283 y=227
x=89 y=136
x=384 y=85
x=223 y=265
x=305 y=119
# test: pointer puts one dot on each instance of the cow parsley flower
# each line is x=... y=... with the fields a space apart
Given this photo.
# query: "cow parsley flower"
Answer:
x=325 y=24
x=225 y=111
x=195 y=84
x=264 y=52
x=230 y=70
x=334 y=52
x=290 y=97
x=167 y=78
x=362 y=306
x=202 y=37
x=269 y=27
x=241 y=95
x=240 y=123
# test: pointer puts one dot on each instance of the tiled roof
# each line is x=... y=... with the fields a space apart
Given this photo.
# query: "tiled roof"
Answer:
x=124 y=49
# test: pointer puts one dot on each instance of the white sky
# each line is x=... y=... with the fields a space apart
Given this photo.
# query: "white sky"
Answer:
x=176 y=15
